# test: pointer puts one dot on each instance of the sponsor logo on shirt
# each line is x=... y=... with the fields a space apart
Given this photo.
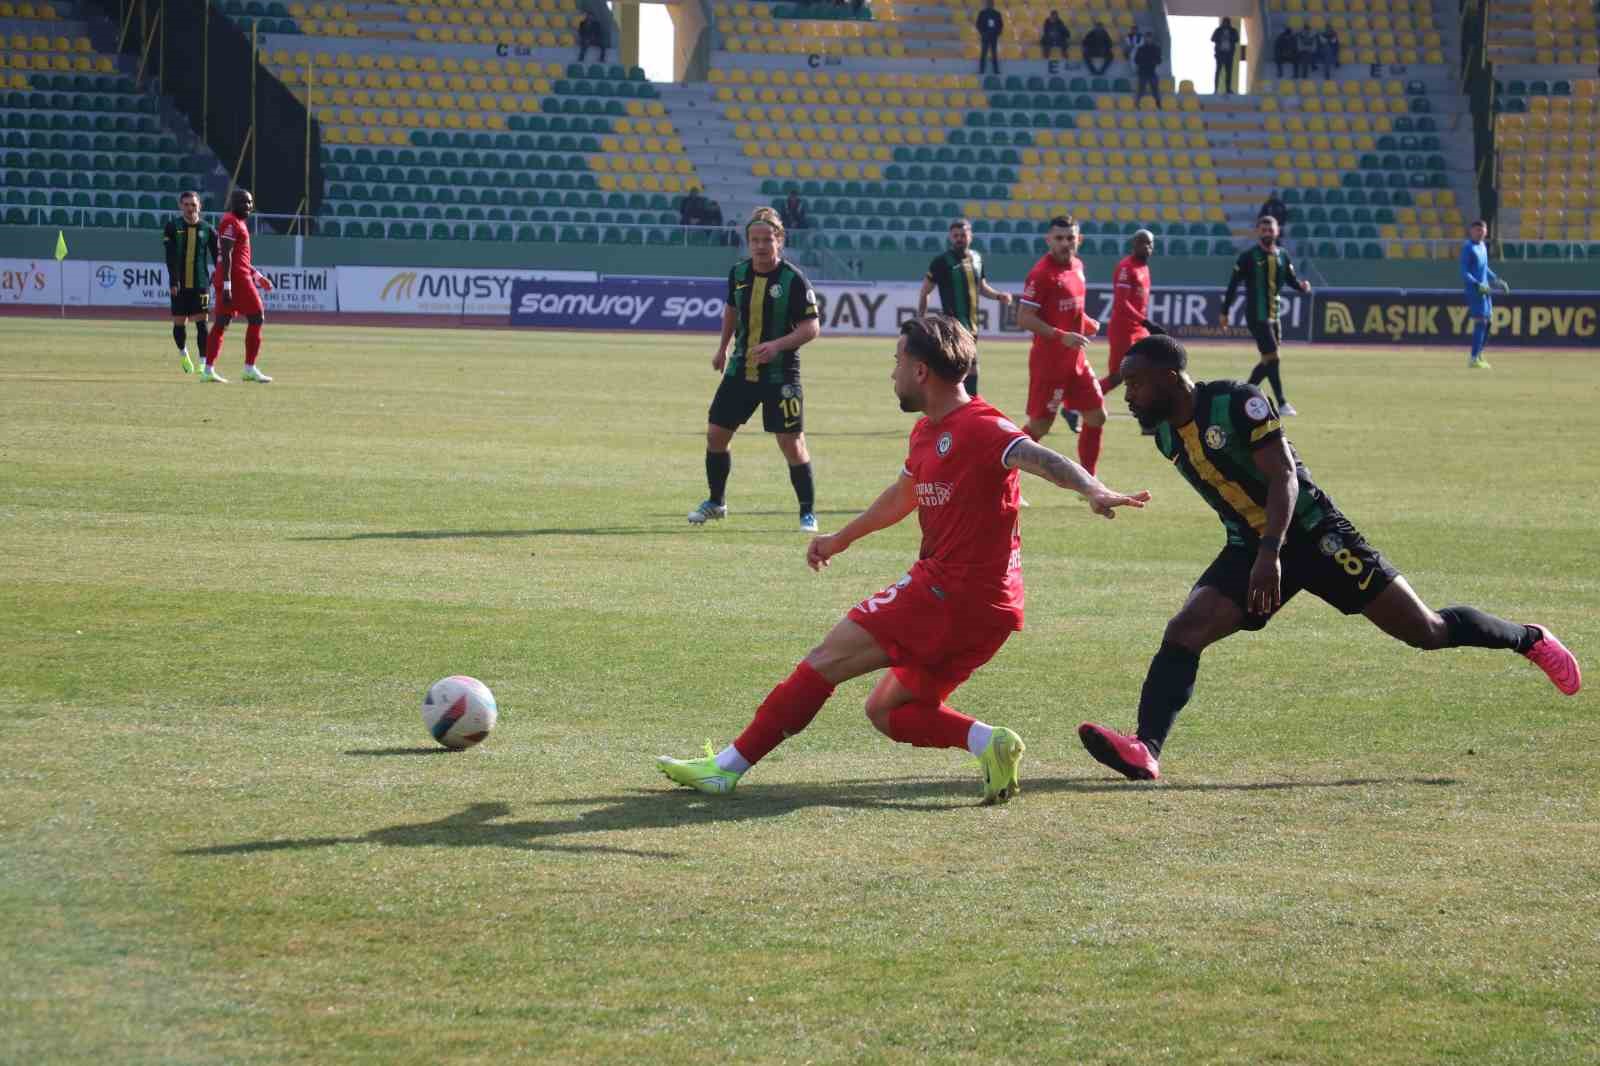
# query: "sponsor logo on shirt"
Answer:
x=934 y=493
x=1256 y=407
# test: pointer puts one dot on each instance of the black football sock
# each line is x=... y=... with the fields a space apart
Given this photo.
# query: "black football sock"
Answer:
x=1167 y=687
x=1274 y=372
x=1259 y=374
x=200 y=335
x=718 y=466
x=180 y=336
x=804 y=490
x=1472 y=628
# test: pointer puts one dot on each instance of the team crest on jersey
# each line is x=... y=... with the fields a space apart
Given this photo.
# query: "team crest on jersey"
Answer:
x=777 y=292
x=1256 y=407
x=789 y=392
x=943 y=446
x=1216 y=437
x=1330 y=544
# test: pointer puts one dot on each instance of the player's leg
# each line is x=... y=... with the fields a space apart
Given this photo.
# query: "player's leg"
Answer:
x=731 y=407
x=180 y=336
x=783 y=415
x=219 y=329
x=1045 y=396
x=1214 y=610
x=1481 y=310
x=247 y=302
x=1084 y=396
x=1117 y=345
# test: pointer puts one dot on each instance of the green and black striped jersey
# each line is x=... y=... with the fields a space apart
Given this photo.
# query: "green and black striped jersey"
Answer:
x=960 y=281
x=766 y=307
x=192 y=251
x=1262 y=273
x=1214 y=452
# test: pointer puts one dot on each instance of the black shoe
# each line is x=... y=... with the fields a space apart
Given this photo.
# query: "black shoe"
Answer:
x=1072 y=420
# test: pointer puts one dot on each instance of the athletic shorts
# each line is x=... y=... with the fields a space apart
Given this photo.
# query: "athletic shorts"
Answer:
x=932 y=646
x=1268 y=335
x=190 y=302
x=1479 y=305
x=1055 y=382
x=246 y=300
x=1336 y=565
x=1118 y=343
x=782 y=405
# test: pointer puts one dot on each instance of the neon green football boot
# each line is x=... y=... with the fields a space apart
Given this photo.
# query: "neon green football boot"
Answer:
x=999 y=761
x=186 y=363
x=701 y=774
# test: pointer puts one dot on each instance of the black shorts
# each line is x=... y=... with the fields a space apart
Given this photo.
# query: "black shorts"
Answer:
x=1336 y=565
x=782 y=405
x=190 y=302
x=1268 y=335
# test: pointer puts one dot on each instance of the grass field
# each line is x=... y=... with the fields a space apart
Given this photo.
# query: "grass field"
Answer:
x=227 y=838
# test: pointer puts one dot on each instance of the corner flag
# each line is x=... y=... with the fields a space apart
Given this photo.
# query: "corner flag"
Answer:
x=61 y=245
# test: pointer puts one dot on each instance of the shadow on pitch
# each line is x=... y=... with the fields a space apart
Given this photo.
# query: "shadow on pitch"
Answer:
x=435 y=750
x=502 y=534
x=489 y=825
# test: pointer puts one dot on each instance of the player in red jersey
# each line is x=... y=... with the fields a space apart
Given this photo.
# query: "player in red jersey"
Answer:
x=1130 y=306
x=962 y=599
x=238 y=287
x=1059 y=375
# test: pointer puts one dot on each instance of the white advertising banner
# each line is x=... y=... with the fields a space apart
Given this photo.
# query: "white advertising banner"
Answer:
x=124 y=284
x=438 y=290
x=866 y=309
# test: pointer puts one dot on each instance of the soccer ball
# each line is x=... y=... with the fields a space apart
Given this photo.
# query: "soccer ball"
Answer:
x=459 y=711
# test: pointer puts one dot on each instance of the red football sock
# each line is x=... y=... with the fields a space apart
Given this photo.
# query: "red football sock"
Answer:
x=929 y=725
x=214 y=345
x=1089 y=446
x=252 y=343
x=787 y=710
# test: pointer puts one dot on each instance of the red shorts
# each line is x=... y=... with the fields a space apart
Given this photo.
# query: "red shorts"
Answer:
x=933 y=646
x=1056 y=381
x=246 y=299
x=1119 y=341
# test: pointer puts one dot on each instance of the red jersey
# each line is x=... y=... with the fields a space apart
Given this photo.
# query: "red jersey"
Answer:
x=967 y=505
x=1130 y=294
x=232 y=228
x=1058 y=294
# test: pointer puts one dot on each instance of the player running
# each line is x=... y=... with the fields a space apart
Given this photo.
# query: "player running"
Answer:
x=237 y=290
x=1263 y=270
x=1283 y=535
x=191 y=247
x=1059 y=375
x=1479 y=281
x=771 y=311
x=963 y=597
x=1130 y=306
x=959 y=276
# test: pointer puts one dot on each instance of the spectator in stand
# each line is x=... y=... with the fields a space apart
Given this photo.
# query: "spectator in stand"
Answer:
x=592 y=34
x=990 y=24
x=713 y=214
x=1131 y=42
x=1097 y=47
x=1274 y=207
x=794 y=212
x=1328 y=50
x=1055 y=35
x=692 y=211
x=1305 y=51
x=1283 y=48
x=1225 y=39
x=1146 y=61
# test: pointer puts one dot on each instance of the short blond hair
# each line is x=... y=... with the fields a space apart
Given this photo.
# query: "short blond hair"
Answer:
x=766 y=216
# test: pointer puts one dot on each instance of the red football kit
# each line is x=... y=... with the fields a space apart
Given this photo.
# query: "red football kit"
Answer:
x=1059 y=376
x=964 y=597
x=1130 y=304
x=246 y=297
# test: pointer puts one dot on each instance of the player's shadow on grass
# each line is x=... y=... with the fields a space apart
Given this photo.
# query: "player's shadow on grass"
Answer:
x=483 y=825
x=500 y=534
x=419 y=750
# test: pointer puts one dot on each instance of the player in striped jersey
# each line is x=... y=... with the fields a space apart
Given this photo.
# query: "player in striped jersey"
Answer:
x=959 y=276
x=191 y=247
x=1263 y=270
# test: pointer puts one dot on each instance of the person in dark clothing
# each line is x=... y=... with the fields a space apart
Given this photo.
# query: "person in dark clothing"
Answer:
x=794 y=212
x=1328 y=50
x=692 y=211
x=990 y=24
x=1283 y=48
x=1097 y=48
x=1225 y=41
x=1274 y=207
x=1055 y=35
x=592 y=34
x=1146 y=60
x=1305 y=51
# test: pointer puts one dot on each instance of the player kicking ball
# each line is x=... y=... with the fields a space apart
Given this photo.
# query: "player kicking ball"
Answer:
x=1284 y=534
x=962 y=599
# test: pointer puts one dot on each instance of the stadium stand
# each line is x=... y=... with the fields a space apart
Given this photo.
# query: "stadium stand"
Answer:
x=81 y=144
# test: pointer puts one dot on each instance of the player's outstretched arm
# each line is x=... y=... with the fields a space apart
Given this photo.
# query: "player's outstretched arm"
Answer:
x=1057 y=469
x=922 y=296
x=892 y=505
x=994 y=294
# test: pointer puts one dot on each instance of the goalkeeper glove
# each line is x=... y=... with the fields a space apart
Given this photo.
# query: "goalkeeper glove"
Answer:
x=1483 y=288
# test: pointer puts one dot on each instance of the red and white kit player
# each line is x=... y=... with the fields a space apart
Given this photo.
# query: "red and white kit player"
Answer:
x=1130 y=306
x=963 y=597
x=238 y=287
x=1059 y=375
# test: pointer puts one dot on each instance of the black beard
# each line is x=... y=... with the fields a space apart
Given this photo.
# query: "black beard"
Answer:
x=1149 y=421
x=906 y=404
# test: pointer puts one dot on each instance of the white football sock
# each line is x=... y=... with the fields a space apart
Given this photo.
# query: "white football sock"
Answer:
x=730 y=760
x=978 y=737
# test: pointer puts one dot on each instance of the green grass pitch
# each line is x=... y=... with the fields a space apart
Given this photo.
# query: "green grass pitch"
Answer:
x=226 y=838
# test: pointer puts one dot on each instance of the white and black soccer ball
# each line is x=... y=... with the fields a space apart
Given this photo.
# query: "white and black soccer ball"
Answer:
x=459 y=711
